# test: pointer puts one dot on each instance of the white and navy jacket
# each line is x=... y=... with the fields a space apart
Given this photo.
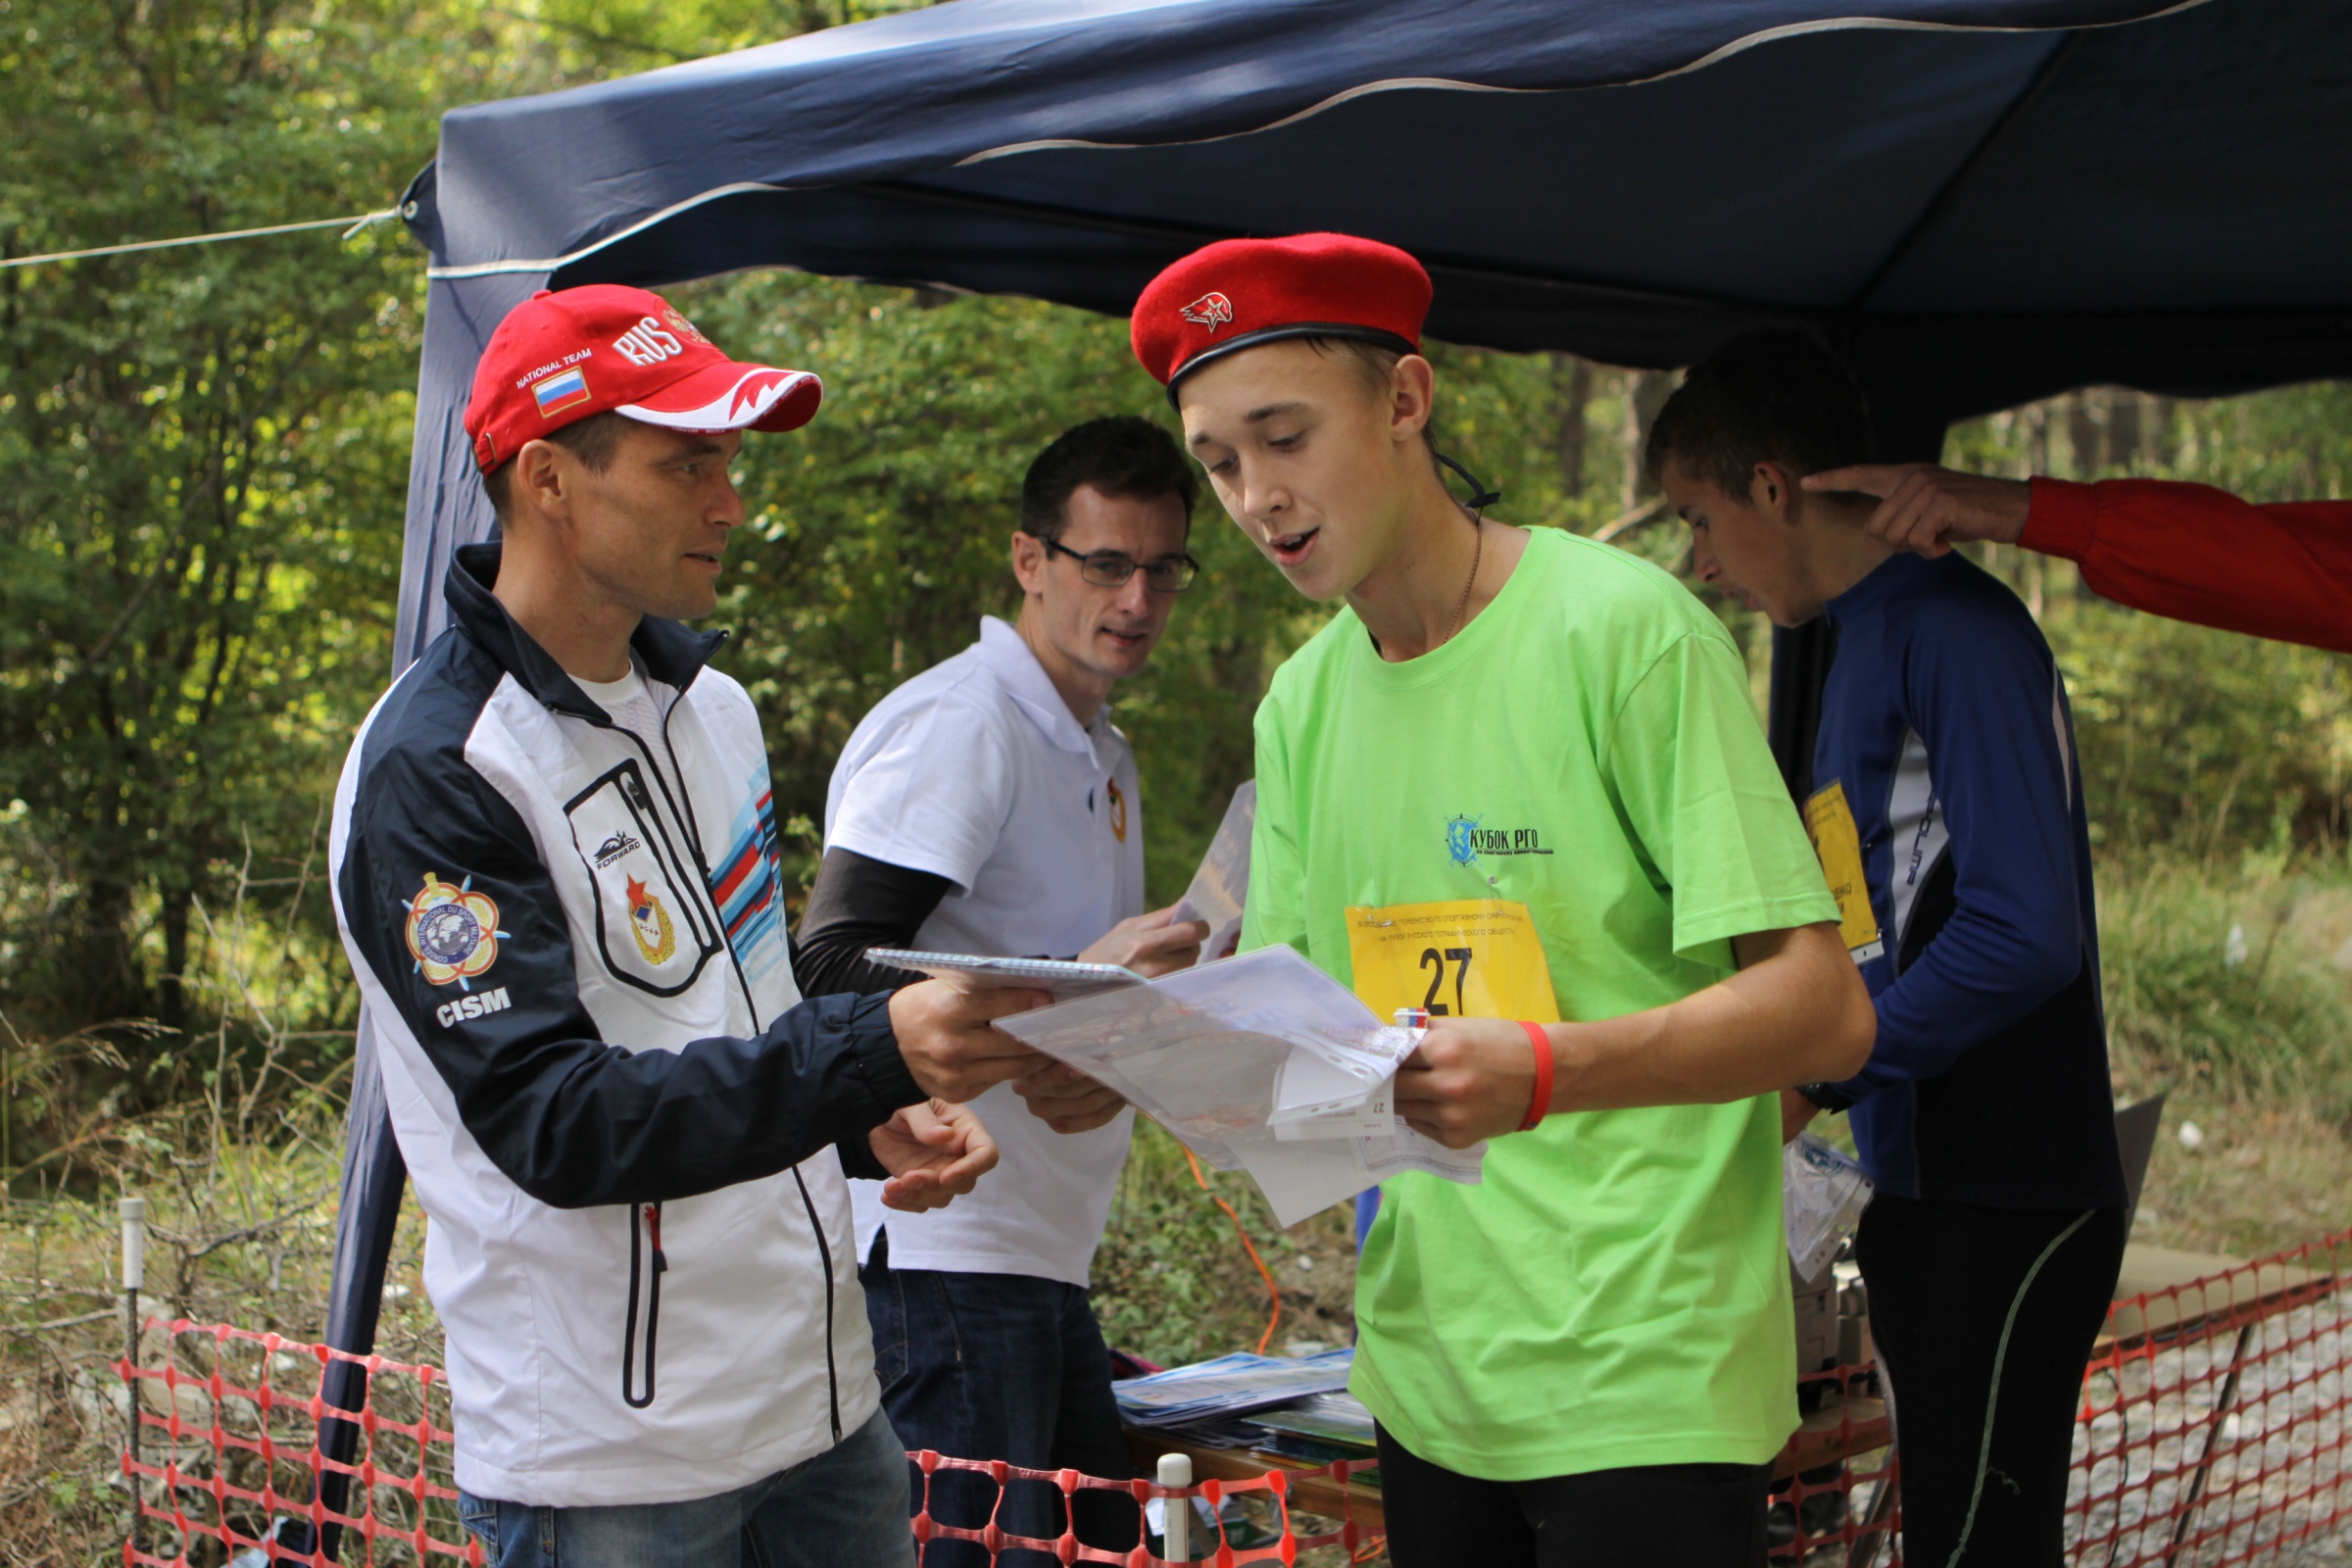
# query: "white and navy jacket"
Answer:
x=619 y=1114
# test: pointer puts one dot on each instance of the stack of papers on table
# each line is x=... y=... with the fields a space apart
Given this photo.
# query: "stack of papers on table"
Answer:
x=1229 y=1386
x=1261 y=1064
x=1338 y=1419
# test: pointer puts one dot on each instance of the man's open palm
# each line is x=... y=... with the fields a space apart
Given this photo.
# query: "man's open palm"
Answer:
x=935 y=1153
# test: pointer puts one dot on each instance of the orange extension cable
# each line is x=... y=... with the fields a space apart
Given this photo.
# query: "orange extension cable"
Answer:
x=1273 y=1290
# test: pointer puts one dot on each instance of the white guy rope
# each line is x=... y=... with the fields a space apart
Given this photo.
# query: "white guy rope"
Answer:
x=356 y=224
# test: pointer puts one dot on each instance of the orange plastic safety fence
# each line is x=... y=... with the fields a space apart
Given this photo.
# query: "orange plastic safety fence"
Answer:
x=2213 y=1421
x=2211 y=1434
x=228 y=1429
x=2212 y=1430
x=1845 y=1432
x=1066 y=1548
x=229 y=1443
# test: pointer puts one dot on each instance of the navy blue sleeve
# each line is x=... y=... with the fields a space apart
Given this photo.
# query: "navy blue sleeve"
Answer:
x=1980 y=688
x=572 y=1119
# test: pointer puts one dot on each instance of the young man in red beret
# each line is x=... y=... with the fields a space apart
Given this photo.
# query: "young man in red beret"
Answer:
x=1517 y=781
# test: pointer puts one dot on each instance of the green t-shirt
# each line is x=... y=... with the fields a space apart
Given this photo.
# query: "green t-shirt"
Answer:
x=1615 y=1292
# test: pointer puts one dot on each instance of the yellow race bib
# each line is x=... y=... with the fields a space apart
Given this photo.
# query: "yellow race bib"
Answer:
x=1464 y=959
x=1830 y=824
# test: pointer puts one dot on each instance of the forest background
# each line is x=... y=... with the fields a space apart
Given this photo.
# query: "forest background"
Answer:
x=203 y=455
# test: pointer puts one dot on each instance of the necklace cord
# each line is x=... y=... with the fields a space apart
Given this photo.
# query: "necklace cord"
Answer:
x=1478 y=552
x=1482 y=496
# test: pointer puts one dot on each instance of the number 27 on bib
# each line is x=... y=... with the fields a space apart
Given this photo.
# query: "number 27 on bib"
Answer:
x=1461 y=959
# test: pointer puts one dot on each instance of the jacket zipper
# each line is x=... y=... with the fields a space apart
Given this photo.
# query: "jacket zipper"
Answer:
x=644 y=1218
x=824 y=1250
x=702 y=862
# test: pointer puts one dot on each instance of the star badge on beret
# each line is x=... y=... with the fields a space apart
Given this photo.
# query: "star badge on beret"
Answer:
x=1268 y=290
x=1211 y=309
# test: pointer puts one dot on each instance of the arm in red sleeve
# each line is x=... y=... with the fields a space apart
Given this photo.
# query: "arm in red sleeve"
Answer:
x=2197 y=554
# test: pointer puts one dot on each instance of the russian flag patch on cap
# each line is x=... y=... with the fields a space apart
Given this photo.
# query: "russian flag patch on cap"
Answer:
x=562 y=390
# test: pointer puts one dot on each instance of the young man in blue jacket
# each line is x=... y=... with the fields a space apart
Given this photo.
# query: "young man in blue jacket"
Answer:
x=1947 y=810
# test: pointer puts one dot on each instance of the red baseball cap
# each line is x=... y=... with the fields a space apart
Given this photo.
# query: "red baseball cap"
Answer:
x=560 y=357
x=1239 y=293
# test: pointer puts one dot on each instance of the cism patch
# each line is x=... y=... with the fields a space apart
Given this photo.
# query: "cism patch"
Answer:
x=453 y=932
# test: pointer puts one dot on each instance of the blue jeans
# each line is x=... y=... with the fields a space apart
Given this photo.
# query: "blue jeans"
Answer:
x=844 y=1509
x=1000 y=1366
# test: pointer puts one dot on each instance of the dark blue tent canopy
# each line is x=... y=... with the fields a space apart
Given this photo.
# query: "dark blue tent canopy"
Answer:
x=1981 y=201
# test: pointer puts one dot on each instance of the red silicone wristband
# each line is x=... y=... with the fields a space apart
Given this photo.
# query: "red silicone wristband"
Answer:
x=1539 y=1103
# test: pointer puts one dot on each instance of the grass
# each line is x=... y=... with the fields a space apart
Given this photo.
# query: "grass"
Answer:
x=239 y=1232
x=242 y=1232
x=1174 y=1284
x=2233 y=980
x=2255 y=1049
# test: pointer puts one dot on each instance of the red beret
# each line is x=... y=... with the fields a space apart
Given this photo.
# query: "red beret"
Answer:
x=1239 y=293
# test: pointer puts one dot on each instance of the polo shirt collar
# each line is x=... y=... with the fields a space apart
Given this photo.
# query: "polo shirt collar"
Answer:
x=1031 y=689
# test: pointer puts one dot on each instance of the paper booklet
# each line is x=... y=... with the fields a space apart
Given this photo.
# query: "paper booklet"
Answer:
x=1221 y=887
x=1261 y=1064
x=1064 y=978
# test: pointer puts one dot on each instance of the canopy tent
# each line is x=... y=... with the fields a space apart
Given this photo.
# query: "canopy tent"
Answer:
x=1984 y=201
x=1981 y=201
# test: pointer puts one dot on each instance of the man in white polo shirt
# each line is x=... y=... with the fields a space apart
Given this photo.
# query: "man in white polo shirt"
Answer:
x=988 y=805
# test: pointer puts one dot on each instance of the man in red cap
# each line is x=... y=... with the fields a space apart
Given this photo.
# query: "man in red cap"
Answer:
x=554 y=872
x=1517 y=782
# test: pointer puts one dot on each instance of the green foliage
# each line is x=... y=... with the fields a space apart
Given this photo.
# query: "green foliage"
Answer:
x=2203 y=740
x=204 y=455
x=1174 y=1284
x=201 y=460
x=2199 y=740
x=2260 y=1014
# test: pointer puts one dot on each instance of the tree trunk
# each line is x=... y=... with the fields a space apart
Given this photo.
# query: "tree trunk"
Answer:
x=1645 y=393
x=2082 y=433
x=2124 y=438
x=101 y=981
x=171 y=996
x=1575 y=377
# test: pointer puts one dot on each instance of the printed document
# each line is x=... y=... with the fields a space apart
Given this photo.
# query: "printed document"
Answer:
x=1261 y=1064
x=1221 y=887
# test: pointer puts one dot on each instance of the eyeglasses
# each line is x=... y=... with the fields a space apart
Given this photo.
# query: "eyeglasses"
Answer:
x=1107 y=568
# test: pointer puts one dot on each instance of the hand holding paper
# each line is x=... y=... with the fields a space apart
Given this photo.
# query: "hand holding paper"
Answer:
x=1470 y=1079
x=1262 y=1064
x=947 y=1040
x=1151 y=945
x=1067 y=1100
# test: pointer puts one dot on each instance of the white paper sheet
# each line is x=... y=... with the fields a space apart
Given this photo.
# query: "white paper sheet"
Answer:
x=1220 y=888
x=1218 y=1053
